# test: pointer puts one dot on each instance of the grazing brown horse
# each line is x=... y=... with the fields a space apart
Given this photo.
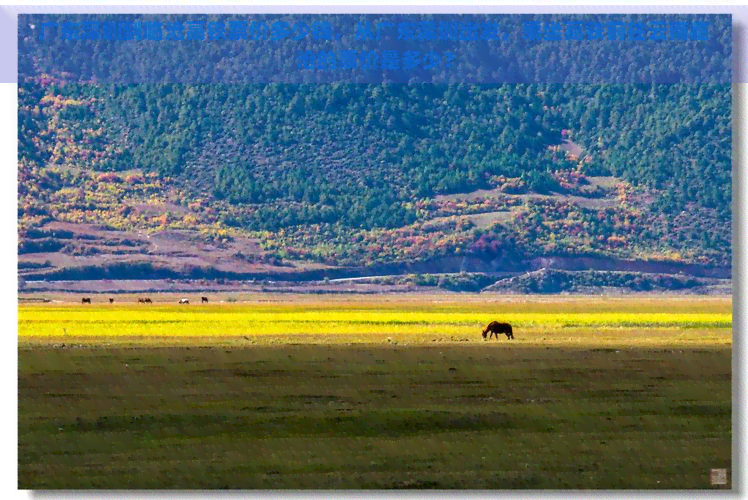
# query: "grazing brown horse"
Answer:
x=148 y=301
x=86 y=300
x=141 y=300
x=495 y=328
x=204 y=300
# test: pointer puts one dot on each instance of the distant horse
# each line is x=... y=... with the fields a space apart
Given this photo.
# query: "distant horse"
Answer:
x=141 y=300
x=148 y=301
x=111 y=301
x=495 y=328
x=86 y=300
x=184 y=301
x=204 y=300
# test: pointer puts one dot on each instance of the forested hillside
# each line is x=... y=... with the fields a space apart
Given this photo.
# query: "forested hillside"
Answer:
x=347 y=174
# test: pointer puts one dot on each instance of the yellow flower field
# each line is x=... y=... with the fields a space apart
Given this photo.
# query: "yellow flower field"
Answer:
x=355 y=321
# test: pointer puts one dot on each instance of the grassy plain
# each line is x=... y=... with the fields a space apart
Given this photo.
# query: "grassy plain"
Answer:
x=375 y=392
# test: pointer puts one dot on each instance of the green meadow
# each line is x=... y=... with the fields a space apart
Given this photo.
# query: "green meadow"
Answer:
x=385 y=392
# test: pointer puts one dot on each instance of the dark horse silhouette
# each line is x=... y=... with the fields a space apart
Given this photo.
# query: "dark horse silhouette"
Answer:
x=86 y=300
x=204 y=300
x=111 y=301
x=495 y=328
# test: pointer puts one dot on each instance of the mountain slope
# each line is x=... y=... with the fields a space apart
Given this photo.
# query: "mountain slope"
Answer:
x=309 y=178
